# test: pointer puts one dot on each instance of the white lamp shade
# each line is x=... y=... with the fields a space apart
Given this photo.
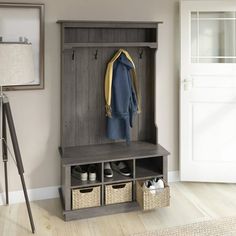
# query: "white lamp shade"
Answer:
x=16 y=64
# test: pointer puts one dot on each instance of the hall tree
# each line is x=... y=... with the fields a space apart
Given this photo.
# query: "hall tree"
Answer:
x=86 y=48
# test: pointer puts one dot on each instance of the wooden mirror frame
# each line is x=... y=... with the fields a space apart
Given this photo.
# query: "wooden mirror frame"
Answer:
x=41 y=83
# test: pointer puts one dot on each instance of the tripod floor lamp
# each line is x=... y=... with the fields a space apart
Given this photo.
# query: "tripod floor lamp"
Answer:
x=16 y=68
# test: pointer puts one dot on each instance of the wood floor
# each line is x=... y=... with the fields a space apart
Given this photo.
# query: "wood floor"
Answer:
x=190 y=202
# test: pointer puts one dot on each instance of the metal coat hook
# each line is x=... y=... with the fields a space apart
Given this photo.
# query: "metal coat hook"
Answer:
x=96 y=55
x=141 y=54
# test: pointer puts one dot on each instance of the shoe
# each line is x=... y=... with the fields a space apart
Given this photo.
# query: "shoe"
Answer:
x=79 y=173
x=92 y=172
x=107 y=170
x=121 y=167
x=159 y=184
x=149 y=184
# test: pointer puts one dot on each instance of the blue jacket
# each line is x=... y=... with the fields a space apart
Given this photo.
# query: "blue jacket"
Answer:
x=123 y=101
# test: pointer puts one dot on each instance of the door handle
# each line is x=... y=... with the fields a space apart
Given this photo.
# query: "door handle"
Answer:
x=187 y=84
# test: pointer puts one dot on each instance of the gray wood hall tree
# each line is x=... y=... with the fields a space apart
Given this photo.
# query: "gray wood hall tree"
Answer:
x=86 y=48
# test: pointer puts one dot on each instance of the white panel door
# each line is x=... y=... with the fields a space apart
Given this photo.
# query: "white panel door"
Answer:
x=208 y=91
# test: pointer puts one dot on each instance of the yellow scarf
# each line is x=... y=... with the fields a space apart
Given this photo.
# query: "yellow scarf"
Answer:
x=108 y=81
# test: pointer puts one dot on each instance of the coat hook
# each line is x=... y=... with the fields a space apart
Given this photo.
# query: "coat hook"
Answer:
x=141 y=54
x=73 y=55
x=96 y=55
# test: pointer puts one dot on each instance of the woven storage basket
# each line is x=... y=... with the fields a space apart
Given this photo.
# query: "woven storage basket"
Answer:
x=117 y=193
x=86 y=197
x=148 y=200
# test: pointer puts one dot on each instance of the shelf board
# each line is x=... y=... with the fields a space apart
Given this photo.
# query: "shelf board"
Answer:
x=77 y=183
x=143 y=172
x=88 y=154
x=117 y=178
x=118 y=45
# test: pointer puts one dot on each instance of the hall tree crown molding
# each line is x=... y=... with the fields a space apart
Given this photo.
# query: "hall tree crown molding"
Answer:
x=86 y=48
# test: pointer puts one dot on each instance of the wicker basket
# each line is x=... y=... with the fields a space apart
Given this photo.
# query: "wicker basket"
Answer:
x=118 y=193
x=148 y=200
x=86 y=197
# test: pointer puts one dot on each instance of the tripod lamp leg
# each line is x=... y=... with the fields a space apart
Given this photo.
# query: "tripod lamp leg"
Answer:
x=4 y=151
x=6 y=182
x=7 y=110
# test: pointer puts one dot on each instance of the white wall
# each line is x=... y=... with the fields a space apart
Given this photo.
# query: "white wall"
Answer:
x=37 y=113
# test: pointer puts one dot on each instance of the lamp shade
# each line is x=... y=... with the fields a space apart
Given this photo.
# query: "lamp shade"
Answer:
x=16 y=64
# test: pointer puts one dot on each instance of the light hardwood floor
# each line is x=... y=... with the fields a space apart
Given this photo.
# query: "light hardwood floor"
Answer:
x=190 y=202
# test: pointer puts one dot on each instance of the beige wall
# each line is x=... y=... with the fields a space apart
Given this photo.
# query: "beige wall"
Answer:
x=37 y=113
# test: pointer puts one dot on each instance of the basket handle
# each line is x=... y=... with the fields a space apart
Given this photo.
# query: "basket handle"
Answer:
x=117 y=186
x=86 y=190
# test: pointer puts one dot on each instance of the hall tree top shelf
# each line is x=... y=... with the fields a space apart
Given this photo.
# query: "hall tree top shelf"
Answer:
x=110 y=34
x=109 y=24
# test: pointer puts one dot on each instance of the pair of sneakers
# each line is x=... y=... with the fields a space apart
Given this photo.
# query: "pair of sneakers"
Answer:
x=80 y=173
x=119 y=166
x=154 y=185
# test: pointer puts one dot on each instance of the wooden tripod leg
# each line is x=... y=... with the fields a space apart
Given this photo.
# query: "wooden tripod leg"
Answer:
x=6 y=182
x=7 y=109
x=4 y=153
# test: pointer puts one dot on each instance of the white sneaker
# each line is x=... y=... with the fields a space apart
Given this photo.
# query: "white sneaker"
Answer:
x=150 y=186
x=107 y=170
x=159 y=184
x=92 y=172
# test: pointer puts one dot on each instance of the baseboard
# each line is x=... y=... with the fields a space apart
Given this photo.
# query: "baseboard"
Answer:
x=34 y=195
x=173 y=176
x=52 y=192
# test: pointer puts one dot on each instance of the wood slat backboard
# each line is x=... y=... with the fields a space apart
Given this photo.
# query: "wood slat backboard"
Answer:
x=83 y=120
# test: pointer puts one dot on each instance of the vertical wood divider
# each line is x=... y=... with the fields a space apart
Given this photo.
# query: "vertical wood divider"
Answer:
x=102 y=187
x=165 y=168
x=67 y=196
x=134 y=181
